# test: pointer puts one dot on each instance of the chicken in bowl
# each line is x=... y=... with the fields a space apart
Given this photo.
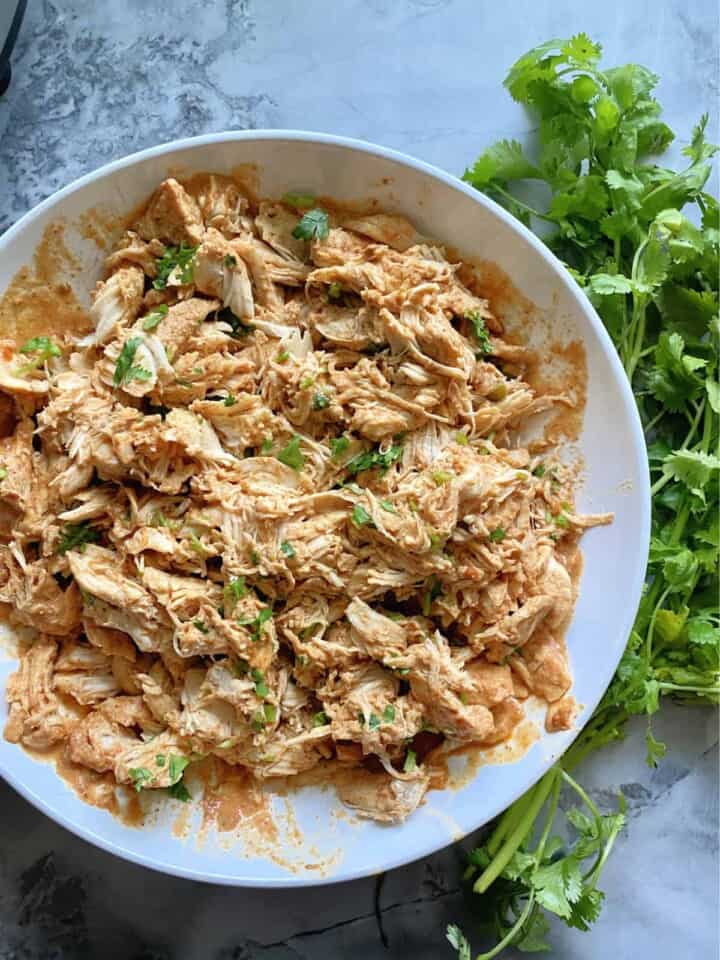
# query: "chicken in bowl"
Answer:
x=275 y=507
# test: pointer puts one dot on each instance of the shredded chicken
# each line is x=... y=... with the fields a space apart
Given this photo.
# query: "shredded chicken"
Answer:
x=274 y=508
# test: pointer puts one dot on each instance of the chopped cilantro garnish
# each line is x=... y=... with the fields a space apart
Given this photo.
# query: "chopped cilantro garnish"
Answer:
x=441 y=477
x=312 y=225
x=175 y=257
x=497 y=535
x=387 y=506
x=154 y=318
x=320 y=401
x=539 y=470
x=3 y=473
x=197 y=545
x=388 y=713
x=335 y=291
x=282 y=356
x=178 y=791
x=229 y=261
x=287 y=548
x=160 y=760
x=433 y=589
x=75 y=536
x=124 y=368
x=461 y=438
x=320 y=719
x=306 y=382
x=256 y=623
x=373 y=721
x=410 y=764
x=291 y=454
x=176 y=767
x=480 y=332
x=201 y=626
x=338 y=447
x=140 y=777
x=267 y=446
x=374 y=460
x=261 y=687
x=240 y=329
x=43 y=348
x=360 y=516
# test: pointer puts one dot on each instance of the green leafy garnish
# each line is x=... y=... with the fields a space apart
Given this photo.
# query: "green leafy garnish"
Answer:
x=267 y=446
x=312 y=225
x=261 y=687
x=335 y=291
x=433 y=589
x=229 y=261
x=339 y=446
x=388 y=714
x=320 y=719
x=462 y=439
x=615 y=217
x=201 y=626
x=3 y=473
x=43 y=349
x=155 y=317
x=441 y=477
x=124 y=368
x=240 y=329
x=140 y=777
x=282 y=356
x=234 y=591
x=230 y=400
x=175 y=257
x=374 y=460
x=387 y=506
x=75 y=536
x=410 y=762
x=178 y=791
x=497 y=535
x=360 y=516
x=287 y=548
x=291 y=454
x=480 y=332
x=320 y=401
x=306 y=382
x=257 y=623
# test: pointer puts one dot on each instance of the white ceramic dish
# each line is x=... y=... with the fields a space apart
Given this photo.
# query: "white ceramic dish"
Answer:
x=316 y=843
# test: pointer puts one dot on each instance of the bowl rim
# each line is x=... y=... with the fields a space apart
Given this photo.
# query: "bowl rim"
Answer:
x=642 y=490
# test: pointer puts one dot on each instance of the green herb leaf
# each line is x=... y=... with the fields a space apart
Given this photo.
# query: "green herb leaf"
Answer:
x=313 y=225
x=320 y=401
x=155 y=317
x=339 y=446
x=291 y=454
x=479 y=332
x=43 y=347
x=320 y=719
x=175 y=257
x=141 y=777
x=75 y=536
x=410 y=764
x=359 y=516
x=287 y=549
x=124 y=368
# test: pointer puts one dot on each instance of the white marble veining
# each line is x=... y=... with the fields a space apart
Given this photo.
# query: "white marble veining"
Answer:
x=97 y=79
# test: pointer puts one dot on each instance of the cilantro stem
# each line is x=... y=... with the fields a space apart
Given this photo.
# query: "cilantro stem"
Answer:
x=521 y=205
x=502 y=858
x=512 y=932
x=508 y=822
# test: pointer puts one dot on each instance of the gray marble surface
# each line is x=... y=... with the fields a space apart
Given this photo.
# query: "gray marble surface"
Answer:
x=97 y=79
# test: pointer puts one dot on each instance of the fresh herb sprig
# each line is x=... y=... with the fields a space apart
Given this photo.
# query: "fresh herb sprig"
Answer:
x=616 y=220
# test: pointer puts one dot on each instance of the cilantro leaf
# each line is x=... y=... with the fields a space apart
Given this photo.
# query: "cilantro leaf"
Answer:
x=291 y=454
x=75 y=536
x=124 y=368
x=313 y=225
x=178 y=259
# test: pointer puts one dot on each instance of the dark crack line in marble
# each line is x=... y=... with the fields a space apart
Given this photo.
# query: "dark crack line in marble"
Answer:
x=453 y=891
x=379 y=884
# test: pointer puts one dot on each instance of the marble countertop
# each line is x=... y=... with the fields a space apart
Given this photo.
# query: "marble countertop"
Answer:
x=95 y=80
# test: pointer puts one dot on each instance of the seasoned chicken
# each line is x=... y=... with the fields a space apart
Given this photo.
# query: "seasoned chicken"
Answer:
x=276 y=509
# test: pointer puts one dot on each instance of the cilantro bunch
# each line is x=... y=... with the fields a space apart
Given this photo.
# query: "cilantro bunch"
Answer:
x=642 y=241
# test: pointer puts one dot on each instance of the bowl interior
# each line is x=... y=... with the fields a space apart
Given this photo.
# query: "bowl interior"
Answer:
x=313 y=839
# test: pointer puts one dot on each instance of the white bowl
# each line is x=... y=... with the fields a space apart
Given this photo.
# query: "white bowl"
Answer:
x=316 y=841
